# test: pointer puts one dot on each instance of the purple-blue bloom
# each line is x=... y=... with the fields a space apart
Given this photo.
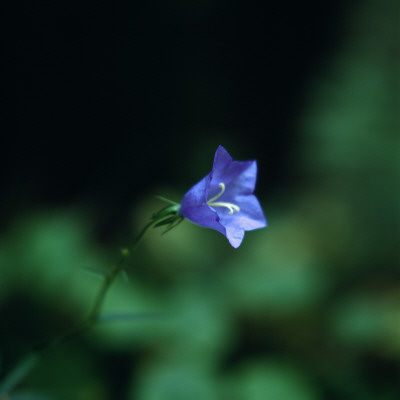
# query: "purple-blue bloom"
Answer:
x=224 y=199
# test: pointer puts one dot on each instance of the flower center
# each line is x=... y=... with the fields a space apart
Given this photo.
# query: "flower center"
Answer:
x=230 y=206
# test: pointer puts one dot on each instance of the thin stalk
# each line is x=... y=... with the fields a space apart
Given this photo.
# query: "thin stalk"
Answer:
x=109 y=278
x=24 y=367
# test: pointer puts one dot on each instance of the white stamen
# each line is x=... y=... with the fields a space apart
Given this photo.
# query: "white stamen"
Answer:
x=230 y=206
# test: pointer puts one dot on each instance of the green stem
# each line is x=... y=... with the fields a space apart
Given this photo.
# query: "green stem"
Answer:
x=24 y=367
x=109 y=278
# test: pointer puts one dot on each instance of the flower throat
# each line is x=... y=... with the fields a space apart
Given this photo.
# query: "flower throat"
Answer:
x=230 y=206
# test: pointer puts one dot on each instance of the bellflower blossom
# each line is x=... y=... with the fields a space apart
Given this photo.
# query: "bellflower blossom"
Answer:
x=224 y=200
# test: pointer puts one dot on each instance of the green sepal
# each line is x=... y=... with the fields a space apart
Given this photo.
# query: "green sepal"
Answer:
x=173 y=224
x=162 y=198
x=169 y=215
x=171 y=210
x=167 y=221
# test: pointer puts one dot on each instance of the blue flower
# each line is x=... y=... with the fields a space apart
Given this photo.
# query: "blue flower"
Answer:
x=224 y=199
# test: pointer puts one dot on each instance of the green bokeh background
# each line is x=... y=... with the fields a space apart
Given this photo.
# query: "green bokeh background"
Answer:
x=306 y=309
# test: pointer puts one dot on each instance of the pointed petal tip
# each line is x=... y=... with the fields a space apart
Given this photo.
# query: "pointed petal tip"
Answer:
x=235 y=236
x=222 y=153
x=236 y=245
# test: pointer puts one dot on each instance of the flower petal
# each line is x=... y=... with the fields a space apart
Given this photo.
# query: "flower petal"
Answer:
x=197 y=194
x=239 y=178
x=230 y=208
x=249 y=217
x=235 y=236
x=239 y=175
x=203 y=216
x=221 y=159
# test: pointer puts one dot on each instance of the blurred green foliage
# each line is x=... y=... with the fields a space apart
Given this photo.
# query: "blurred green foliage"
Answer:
x=306 y=309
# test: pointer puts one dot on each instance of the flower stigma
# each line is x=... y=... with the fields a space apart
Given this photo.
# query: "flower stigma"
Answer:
x=230 y=206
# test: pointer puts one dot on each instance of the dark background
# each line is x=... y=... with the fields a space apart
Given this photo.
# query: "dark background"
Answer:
x=102 y=100
x=106 y=104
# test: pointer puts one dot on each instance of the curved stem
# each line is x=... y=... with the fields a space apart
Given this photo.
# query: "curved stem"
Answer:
x=24 y=367
x=109 y=278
